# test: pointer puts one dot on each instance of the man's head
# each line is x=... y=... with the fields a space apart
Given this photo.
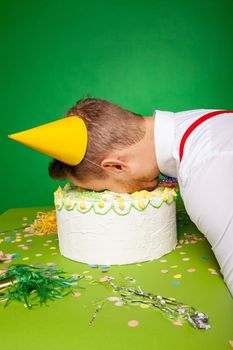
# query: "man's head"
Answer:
x=120 y=154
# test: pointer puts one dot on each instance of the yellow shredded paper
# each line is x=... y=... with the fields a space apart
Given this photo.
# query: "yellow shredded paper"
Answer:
x=45 y=223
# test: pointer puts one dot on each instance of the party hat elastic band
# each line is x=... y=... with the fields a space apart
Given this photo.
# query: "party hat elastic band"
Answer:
x=64 y=139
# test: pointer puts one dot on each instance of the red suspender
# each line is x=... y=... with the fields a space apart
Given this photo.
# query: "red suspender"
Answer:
x=194 y=125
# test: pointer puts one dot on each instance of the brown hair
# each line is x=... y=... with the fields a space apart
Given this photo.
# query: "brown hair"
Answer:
x=109 y=127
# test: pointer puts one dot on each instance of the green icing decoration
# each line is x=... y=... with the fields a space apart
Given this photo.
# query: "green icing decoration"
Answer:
x=72 y=193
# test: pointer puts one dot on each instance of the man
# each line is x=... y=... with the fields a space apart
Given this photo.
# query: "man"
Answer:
x=126 y=152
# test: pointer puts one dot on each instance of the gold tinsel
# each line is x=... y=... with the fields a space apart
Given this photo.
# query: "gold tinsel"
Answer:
x=44 y=224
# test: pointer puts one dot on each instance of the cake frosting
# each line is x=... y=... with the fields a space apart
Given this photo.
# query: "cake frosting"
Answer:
x=115 y=228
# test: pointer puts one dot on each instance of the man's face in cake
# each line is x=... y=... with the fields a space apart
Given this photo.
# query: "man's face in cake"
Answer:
x=123 y=172
x=111 y=184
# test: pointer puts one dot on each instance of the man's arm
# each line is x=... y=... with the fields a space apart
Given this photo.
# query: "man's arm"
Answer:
x=208 y=198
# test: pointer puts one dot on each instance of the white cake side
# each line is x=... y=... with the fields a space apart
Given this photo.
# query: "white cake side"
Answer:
x=108 y=238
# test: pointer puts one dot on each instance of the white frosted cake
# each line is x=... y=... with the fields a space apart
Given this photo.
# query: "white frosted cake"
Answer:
x=115 y=228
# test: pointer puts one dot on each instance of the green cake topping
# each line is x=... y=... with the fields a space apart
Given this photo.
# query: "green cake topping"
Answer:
x=73 y=197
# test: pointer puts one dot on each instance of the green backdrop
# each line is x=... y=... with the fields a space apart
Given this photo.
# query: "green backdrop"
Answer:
x=142 y=55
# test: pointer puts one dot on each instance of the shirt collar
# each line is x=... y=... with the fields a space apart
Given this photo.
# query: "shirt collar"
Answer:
x=164 y=139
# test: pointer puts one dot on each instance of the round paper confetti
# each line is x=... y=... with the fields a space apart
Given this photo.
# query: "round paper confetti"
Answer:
x=26 y=258
x=177 y=276
x=133 y=323
x=163 y=260
x=119 y=303
x=186 y=259
x=145 y=306
x=178 y=323
x=182 y=253
x=164 y=271
x=38 y=254
x=112 y=298
x=176 y=283
x=205 y=257
x=89 y=277
x=191 y=270
x=104 y=279
x=76 y=294
x=230 y=343
x=51 y=264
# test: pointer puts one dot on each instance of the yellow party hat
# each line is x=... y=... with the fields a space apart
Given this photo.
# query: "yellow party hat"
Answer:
x=64 y=139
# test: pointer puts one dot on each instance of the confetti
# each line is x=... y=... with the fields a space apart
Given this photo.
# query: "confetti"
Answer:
x=51 y=264
x=93 y=266
x=145 y=306
x=176 y=283
x=230 y=343
x=164 y=271
x=133 y=323
x=186 y=259
x=26 y=258
x=16 y=255
x=106 y=278
x=77 y=294
x=163 y=260
x=178 y=323
x=112 y=298
x=89 y=277
x=191 y=270
x=177 y=276
x=119 y=303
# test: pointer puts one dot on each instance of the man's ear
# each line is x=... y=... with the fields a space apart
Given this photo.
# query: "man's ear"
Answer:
x=116 y=165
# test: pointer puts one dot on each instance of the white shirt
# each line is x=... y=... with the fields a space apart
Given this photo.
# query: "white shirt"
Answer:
x=205 y=175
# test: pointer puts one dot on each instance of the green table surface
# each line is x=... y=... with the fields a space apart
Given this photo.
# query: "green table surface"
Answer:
x=64 y=324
